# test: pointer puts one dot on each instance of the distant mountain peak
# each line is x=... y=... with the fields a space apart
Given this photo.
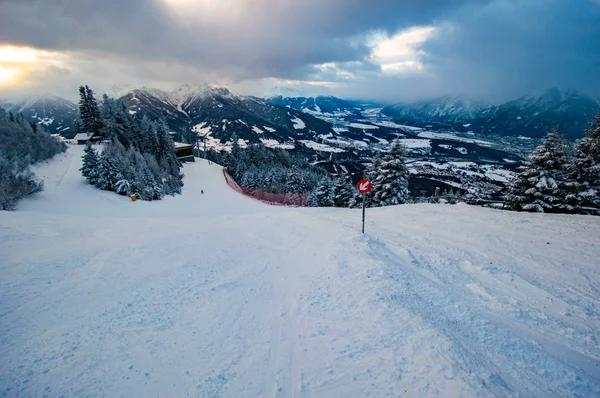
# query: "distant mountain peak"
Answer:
x=443 y=112
x=537 y=113
x=56 y=114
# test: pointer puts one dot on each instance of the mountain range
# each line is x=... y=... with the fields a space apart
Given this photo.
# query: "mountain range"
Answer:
x=534 y=115
x=439 y=113
x=531 y=116
x=223 y=113
x=279 y=119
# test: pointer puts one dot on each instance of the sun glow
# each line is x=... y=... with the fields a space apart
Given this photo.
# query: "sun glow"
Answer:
x=15 y=54
x=6 y=74
x=400 y=53
x=26 y=66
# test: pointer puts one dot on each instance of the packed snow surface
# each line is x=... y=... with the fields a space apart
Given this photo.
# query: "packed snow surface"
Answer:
x=220 y=295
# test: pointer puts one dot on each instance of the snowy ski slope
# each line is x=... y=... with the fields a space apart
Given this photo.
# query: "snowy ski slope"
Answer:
x=220 y=295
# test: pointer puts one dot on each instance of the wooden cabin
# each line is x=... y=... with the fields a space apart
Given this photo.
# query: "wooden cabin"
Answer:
x=184 y=152
x=84 y=138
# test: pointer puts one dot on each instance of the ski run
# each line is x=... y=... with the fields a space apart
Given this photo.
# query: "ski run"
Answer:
x=219 y=295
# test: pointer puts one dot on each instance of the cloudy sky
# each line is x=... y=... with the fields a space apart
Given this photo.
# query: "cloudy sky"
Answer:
x=388 y=50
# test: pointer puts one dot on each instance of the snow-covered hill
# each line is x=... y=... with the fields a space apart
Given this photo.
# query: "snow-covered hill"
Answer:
x=55 y=114
x=220 y=295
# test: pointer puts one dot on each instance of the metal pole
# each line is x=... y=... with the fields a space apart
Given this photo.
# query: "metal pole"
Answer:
x=205 y=147
x=363 y=225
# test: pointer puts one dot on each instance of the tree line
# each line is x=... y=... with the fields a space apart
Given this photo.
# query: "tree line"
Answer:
x=22 y=144
x=271 y=170
x=138 y=157
x=560 y=178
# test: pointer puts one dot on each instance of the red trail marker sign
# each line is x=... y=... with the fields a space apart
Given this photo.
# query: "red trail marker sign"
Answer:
x=364 y=187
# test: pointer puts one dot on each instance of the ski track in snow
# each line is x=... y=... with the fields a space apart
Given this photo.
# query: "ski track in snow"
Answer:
x=218 y=295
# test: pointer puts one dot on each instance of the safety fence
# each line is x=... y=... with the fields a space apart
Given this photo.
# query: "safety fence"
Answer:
x=278 y=199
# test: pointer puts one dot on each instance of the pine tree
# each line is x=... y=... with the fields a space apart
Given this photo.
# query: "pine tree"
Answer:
x=342 y=193
x=94 y=110
x=235 y=146
x=294 y=183
x=390 y=178
x=89 y=112
x=149 y=141
x=542 y=184
x=84 y=110
x=122 y=186
x=89 y=168
x=107 y=113
x=323 y=194
x=584 y=171
x=232 y=164
x=77 y=128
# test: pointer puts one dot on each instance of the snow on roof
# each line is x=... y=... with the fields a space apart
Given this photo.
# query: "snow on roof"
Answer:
x=182 y=145
x=82 y=136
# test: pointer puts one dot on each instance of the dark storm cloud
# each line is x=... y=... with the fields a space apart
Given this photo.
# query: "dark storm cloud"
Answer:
x=511 y=47
x=274 y=38
x=487 y=49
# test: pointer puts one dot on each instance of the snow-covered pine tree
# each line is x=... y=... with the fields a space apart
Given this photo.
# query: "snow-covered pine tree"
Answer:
x=390 y=177
x=149 y=142
x=371 y=174
x=124 y=131
x=584 y=171
x=105 y=171
x=122 y=186
x=112 y=162
x=342 y=193
x=312 y=199
x=323 y=193
x=294 y=182
x=89 y=168
x=541 y=185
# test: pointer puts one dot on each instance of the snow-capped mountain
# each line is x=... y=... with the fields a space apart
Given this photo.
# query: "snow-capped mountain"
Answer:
x=534 y=115
x=443 y=112
x=55 y=114
x=218 y=111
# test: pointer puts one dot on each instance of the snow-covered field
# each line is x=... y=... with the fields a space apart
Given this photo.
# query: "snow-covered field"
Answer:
x=219 y=295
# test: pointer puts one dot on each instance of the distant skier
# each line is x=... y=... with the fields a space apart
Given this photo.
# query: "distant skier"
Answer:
x=202 y=192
